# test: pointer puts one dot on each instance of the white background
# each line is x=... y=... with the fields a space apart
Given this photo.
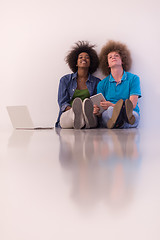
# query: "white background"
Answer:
x=35 y=36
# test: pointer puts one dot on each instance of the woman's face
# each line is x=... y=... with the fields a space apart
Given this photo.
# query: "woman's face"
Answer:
x=114 y=59
x=83 y=60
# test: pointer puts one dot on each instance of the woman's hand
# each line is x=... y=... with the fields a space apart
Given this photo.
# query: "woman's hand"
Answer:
x=67 y=108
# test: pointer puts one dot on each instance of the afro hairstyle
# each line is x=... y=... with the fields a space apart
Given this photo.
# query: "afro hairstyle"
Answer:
x=82 y=46
x=112 y=46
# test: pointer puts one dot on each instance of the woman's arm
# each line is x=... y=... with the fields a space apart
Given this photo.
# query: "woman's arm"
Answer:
x=63 y=94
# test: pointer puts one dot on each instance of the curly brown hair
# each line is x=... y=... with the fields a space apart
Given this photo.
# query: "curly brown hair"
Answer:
x=82 y=46
x=112 y=46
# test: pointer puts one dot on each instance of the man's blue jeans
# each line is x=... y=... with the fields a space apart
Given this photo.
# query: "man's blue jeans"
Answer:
x=107 y=114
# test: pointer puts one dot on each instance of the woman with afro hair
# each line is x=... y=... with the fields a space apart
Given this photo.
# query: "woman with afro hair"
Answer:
x=76 y=109
x=120 y=88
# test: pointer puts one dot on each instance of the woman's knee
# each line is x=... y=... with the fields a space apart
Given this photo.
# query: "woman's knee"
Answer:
x=67 y=119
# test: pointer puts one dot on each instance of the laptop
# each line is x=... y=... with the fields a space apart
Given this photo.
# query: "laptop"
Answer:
x=21 y=118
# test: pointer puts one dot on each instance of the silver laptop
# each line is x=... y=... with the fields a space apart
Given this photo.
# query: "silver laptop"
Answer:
x=21 y=119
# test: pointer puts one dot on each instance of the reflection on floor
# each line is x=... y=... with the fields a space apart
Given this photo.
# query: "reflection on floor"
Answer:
x=74 y=184
x=103 y=166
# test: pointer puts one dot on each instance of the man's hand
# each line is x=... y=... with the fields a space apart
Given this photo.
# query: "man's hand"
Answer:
x=106 y=104
x=96 y=110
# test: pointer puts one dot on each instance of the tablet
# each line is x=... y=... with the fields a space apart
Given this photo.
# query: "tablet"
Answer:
x=96 y=99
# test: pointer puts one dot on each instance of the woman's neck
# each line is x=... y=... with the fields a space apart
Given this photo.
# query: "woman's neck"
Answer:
x=82 y=77
x=82 y=73
x=117 y=73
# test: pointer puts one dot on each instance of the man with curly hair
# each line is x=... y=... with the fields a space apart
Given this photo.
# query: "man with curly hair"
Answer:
x=120 y=88
x=76 y=109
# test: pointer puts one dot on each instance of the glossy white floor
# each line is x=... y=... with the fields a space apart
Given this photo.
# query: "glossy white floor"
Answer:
x=80 y=184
